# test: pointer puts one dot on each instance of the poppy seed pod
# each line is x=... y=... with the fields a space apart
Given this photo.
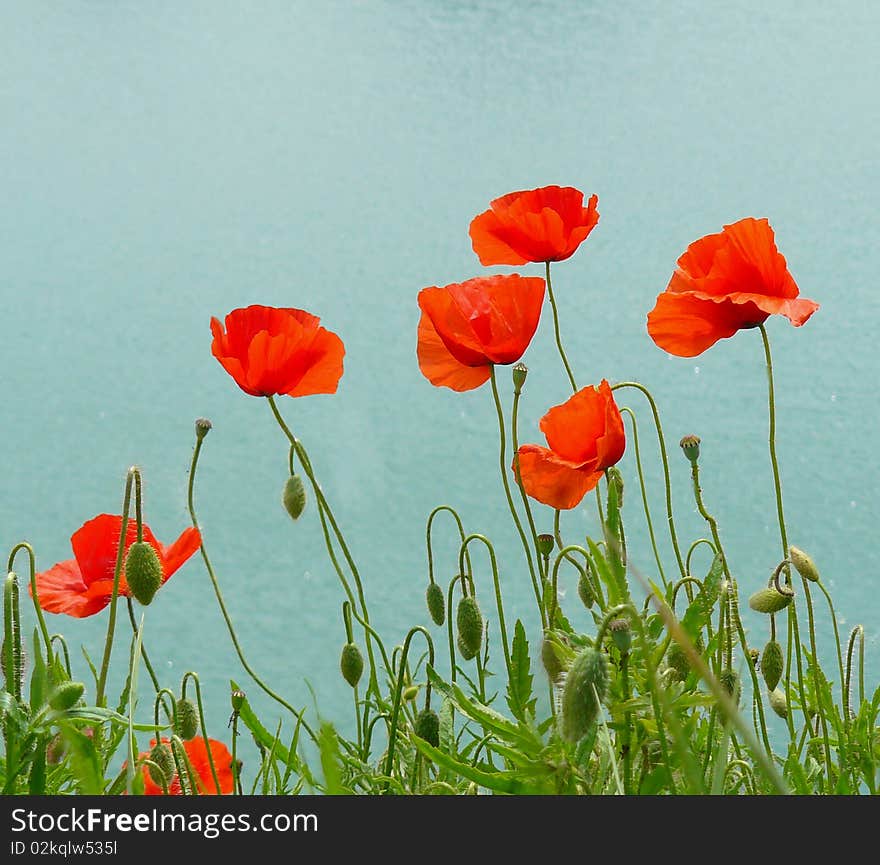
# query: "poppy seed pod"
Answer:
x=545 y=544
x=427 y=727
x=436 y=604
x=469 y=620
x=770 y=600
x=585 y=592
x=351 y=663
x=520 y=371
x=66 y=696
x=187 y=720
x=779 y=702
x=621 y=634
x=237 y=699
x=294 y=496
x=804 y=564
x=772 y=664
x=164 y=769
x=203 y=427
x=691 y=447
x=143 y=571
x=585 y=687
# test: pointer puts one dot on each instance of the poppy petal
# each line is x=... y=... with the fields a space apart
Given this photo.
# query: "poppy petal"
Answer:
x=176 y=554
x=324 y=365
x=487 y=239
x=197 y=752
x=554 y=481
x=61 y=590
x=440 y=367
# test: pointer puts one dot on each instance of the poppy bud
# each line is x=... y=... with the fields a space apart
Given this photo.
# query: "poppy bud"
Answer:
x=779 y=702
x=770 y=600
x=164 y=769
x=772 y=664
x=545 y=544
x=585 y=687
x=294 y=496
x=519 y=371
x=187 y=724
x=143 y=571
x=13 y=678
x=615 y=482
x=66 y=695
x=729 y=680
x=550 y=660
x=410 y=693
x=691 y=447
x=351 y=664
x=427 y=727
x=470 y=627
x=621 y=633
x=203 y=427
x=436 y=604
x=585 y=592
x=237 y=699
x=677 y=658
x=804 y=564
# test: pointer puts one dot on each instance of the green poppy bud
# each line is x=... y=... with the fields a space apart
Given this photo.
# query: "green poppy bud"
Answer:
x=410 y=692
x=164 y=770
x=770 y=600
x=803 y=564
x=585 y=688
x=187 y=723
x=621 y=633
x=351 y=663
x=730 y=681
x=143 y=571
x=427 y=727
x=66 y=696
x=585 y=592
x=294 y=496
x=469 y=620
x=436 y=604
x=691 y=447
x=550 y=660
x=779 y=702
x=772 y=664
x=677 y=658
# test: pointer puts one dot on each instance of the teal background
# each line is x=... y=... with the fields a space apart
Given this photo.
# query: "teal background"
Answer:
x=164 y=162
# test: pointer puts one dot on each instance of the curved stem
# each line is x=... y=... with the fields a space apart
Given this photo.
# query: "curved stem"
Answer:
x=773 y=460
x=204 y=730
x=635 y=431
x=64 y=651
x=297 y=713
x=32 y=565
x=552 y=297
x=428 y=536
x=503 y=463
x=665 y=460
x=586 y=573
x=694 y=546
x=858 y=633
x=836 y=643
x=455 y=579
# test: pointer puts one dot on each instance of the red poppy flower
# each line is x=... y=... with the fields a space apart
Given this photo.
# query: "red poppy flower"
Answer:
x=198 y=758
x=467 y=327
x=546 y=224
x=271 y=351
x=83 y=586
x=586 y=436
x=723 y=283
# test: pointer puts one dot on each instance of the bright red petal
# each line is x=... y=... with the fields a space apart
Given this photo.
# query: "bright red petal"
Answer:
x=197 y=752
x=440 y=367
x=323 y=365
x=172 y=557
x=554 y=481
x=487 y=232
x=61 y=590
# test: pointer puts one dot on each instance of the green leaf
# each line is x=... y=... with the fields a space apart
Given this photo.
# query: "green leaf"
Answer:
x=519 y=687
x=331 y=761
x=700 y=609
x=260 y=733
x=84 y=761
x=37 y=777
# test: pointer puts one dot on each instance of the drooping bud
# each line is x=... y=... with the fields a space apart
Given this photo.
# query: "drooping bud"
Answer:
x=691 y=447
x=585 y=686
x=66 y=696
x=427 y=727
x=469 y=620
x=294 y=496
x=143 y=571
x=164 y=770
x=770 y=600
x=436 y=604
x=621 y=633
x=730 y=681
x=550 y=660
x=615 y=482
x=677 y=658
x=410 y=692
x=585 y=592
x=203 y=427
x=779 y=702
x=545 y=544
x=772 y=664
x=804 y=564
x=237 y=699
x=519 y=372
x=187 y=720
x=351 y=663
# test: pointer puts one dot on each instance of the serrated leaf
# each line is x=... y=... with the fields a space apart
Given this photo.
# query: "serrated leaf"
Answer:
x=447 y=725
x=519 y=686
x=331 y=761
x=699 y=611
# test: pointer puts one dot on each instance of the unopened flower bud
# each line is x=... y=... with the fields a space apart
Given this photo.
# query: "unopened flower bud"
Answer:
x=804 y=564
x=691 y=447
x=779 y=702
x=161 y=766
x=410 y=692
x=427 y=727
x=549 y=658
x=203 y=427
x=469 y=620
x=187 y=719
x=294 y=496
x=772 y=664
x=545 y=544
x=585 y=592
x=436 y=604
x=621 y=633
x=351 y=663
x=66 y=696
x=730 y=681
x=143 y=571
x=770 y=600
x=520 y=371
x=585 y=687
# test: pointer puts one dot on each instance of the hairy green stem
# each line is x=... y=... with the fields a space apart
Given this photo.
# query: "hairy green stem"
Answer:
x=552 y=297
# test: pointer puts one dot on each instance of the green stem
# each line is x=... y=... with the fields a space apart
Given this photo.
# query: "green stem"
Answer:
x=455 y=579
x=428 y=535
x=236 y=774
x=204 y=730
x=665 y=459
x=32 y=565
x=565 y=362
x=693 y=547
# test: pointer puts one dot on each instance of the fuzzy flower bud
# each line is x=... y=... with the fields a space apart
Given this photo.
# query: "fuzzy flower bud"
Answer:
x=66 y=696
x=427 y=727
x=187 y=724
x=770 y=600
x=294 y=496
x=351 y=663
x=143 y=571
x=585 y=687
x=469 y=620
x=772 y=664
x=436 y=604
x=804 y=564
